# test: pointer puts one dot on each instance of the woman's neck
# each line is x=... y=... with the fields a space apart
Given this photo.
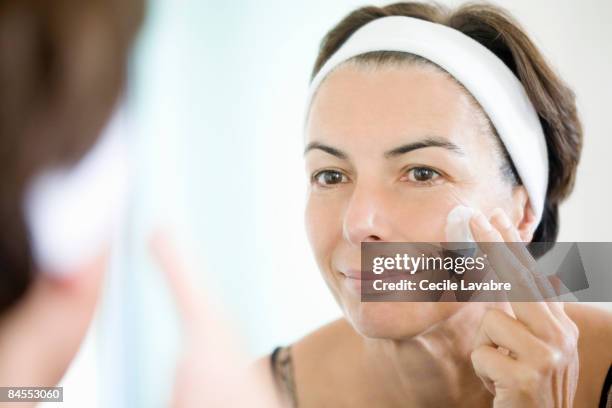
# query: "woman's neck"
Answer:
x=433 y=368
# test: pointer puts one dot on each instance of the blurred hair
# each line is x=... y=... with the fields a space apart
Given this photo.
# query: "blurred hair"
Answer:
x=62 y=68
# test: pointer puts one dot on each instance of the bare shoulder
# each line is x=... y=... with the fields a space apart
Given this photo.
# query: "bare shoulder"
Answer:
x=320 y=364
x=308 y=358
x=325 y=345
x=594 y=348
x=595 y=325
x=326 y=339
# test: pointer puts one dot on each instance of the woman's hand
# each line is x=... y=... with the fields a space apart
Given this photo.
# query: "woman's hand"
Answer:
x=212 y=371
x=529 y=359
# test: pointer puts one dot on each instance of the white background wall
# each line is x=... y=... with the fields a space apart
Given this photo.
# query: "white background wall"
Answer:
x=217 y=103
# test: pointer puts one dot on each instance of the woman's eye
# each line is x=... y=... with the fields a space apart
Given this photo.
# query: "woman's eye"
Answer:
x=423 y=175
x=329 y=177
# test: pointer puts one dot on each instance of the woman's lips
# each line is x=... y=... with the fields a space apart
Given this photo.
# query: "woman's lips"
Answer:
x=353 y=279
x=358 y=275
x=370 y=276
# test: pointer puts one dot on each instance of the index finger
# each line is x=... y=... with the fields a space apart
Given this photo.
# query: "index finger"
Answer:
x=503 y=261
x=177 y=274
x=527 y=304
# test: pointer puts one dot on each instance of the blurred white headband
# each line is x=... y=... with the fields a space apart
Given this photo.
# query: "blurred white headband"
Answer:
x=481 y=72
x=71 y=212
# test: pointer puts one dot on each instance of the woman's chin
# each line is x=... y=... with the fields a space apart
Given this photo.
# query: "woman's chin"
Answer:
x=395 y=320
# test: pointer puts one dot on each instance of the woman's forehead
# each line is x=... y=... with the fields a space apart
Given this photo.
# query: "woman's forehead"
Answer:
x=391 y=103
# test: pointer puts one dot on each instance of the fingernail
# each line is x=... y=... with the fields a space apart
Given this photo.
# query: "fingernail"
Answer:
x=482 y=222
x=502 y=218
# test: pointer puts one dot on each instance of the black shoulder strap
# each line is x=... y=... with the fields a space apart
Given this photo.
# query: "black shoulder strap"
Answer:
x=606 y=392
x=282 y=370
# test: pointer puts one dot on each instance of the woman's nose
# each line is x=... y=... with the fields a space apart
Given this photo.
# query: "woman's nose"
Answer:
x=367 y=217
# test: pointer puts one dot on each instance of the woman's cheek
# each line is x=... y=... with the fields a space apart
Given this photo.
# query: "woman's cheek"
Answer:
x=422 y=215
x=323 y=221
x=426 y=212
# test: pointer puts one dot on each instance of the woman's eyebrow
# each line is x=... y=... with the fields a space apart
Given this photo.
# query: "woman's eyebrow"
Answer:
x=327 y=149
x=427 y=142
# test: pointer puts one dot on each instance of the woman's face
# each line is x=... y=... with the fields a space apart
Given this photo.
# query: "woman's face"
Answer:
x=389 y=152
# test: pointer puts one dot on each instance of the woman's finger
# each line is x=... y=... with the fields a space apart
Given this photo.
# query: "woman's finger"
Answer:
x=510 y=235
x=177 y=273
x=537 y=315
x=494 y=368
x=506 y=266
x=499 y=329
x=214 y=369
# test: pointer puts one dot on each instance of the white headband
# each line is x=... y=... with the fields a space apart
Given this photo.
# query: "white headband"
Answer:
x=72 y=212
x=481 y=72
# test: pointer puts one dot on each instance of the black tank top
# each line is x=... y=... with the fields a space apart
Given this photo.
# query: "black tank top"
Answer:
x=606 y=393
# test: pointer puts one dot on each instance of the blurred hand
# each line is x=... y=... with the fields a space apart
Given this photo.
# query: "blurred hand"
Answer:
x=213 y=370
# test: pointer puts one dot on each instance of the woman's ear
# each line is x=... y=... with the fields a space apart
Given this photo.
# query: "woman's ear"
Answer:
x=522 y=214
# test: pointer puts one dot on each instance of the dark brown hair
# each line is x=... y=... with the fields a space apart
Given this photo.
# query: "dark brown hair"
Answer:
x=494 y=28
x=62 y=67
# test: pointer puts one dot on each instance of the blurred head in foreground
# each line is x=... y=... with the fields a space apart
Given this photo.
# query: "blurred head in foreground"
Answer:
x=62 y=68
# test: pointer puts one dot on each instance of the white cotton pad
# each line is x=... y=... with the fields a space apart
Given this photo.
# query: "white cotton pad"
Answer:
x=72 y=212
x=458 y=224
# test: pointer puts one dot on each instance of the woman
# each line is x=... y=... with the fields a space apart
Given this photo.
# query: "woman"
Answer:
x=55 y=99
x=401 y=128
